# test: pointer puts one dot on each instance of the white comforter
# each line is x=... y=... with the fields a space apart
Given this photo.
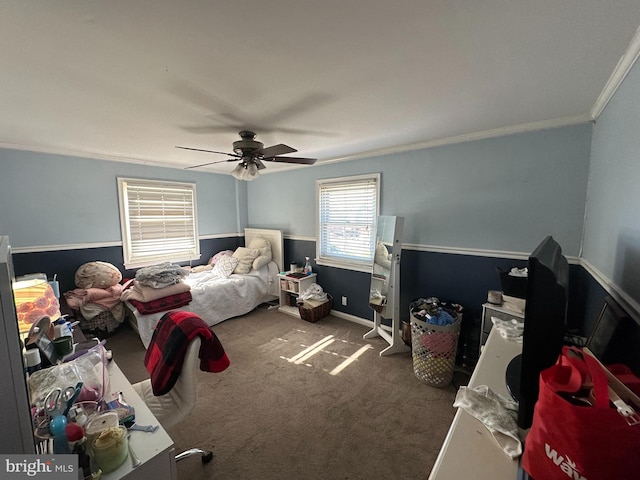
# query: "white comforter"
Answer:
x=216 y=299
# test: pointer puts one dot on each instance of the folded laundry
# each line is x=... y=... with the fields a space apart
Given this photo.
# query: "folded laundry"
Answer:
x=162 y=275
x=162 y=304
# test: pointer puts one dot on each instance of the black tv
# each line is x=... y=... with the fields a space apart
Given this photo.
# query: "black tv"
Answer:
x=545 y=318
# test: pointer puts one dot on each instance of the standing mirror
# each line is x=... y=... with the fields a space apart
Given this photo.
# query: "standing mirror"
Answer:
x=384 y=294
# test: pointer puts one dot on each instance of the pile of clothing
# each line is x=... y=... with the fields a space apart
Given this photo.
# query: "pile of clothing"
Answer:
x=158 y=288
x=96 y=303
x=434 y=311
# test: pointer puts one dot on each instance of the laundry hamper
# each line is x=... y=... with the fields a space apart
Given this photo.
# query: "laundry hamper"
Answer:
x=433 y=348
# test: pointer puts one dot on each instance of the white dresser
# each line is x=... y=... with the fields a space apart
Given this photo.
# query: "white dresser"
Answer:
x=469 y=451
x=511 y=307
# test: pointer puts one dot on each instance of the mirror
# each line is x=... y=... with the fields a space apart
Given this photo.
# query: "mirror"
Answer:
x=384 y=295
x=386 y=253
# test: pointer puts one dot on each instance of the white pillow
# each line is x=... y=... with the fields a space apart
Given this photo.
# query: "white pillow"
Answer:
x=382 y=256
x=260 y=262
x=263 y=245
x=225 y=266
x=246 y=257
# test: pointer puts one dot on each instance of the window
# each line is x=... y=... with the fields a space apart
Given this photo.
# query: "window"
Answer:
x=347 y=215
x=158 y=221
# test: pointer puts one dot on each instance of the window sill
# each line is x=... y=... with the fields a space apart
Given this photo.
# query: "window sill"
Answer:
x=345 y=266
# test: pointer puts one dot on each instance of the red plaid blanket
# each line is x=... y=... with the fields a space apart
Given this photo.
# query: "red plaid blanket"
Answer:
x=163 y=304
x=171 y=337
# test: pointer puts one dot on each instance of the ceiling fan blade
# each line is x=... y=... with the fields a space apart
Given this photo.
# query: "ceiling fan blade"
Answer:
x=279 y=149
x=209 y=151
x=211 y=163
x=299 y=160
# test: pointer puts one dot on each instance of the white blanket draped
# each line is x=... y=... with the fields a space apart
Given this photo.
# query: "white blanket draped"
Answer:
x=216 y=299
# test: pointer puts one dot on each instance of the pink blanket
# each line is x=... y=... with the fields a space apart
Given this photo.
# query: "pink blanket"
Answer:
x=142 y=293
x=106 y=297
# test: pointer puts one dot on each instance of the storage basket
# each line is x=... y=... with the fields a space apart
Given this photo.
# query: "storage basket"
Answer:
x=511 y=285
x=311 y=311
x=433 y=348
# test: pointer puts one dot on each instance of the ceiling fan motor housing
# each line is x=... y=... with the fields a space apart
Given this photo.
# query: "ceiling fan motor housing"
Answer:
x=247 y=146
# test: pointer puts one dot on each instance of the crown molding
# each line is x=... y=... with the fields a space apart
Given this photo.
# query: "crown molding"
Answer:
x=470 y=137
x=81 y=154
x=621 y=71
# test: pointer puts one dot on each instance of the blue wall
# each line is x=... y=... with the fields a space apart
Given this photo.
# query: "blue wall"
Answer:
x=51 y=201
x=612 y=225
x=502 y=194
x=468 y=208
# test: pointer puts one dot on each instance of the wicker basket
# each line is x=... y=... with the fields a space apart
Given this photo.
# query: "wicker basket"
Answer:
x=433 y=348
x=312 y=311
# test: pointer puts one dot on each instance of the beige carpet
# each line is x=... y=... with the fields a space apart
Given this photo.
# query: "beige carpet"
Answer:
x=278 y=414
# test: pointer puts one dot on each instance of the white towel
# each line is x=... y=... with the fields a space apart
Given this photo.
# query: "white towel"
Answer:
x=509 y=329
x=497 y=413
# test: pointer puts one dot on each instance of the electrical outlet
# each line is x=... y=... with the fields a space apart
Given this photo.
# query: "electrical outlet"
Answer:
x=344 y=301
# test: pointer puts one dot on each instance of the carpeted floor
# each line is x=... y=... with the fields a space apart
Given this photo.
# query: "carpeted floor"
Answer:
x=277 y=414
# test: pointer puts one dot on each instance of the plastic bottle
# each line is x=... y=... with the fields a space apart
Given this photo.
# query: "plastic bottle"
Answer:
x=307 y=266
x=57 y=427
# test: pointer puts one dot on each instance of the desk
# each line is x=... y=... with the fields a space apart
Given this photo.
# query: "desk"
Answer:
x=469 y=451
x=155 y=450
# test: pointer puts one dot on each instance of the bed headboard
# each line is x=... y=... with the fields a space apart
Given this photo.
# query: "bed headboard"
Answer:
x=274 y=237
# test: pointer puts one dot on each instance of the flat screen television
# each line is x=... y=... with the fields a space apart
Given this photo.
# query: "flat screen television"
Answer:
x=545 y=317
x=615 y=337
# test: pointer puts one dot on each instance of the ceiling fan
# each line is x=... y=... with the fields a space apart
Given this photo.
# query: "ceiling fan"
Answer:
x=251 y=154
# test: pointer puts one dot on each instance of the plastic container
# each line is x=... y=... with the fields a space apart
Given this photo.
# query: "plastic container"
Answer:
x=110 y=448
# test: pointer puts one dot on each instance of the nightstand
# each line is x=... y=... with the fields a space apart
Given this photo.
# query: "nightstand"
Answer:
x=290 y=289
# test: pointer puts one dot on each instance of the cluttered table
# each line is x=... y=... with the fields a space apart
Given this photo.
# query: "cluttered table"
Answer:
x=122 y=438
x=469 y=450
x=154 y=449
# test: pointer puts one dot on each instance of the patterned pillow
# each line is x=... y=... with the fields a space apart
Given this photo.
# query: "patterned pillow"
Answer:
x=225 y=266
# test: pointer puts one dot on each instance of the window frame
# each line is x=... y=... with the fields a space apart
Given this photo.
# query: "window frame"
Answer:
x=348 y=263
x=133 y=259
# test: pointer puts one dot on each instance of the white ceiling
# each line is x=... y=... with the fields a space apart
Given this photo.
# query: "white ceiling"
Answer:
x=130 y=80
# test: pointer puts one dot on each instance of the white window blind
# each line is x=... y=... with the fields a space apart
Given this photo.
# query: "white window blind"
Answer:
x=347 y=214
x=158 y=221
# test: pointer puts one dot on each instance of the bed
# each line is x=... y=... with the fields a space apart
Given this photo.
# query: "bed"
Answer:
x=215 y=298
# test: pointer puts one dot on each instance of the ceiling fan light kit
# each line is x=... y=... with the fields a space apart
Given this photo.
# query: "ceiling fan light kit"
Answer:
x=245 y=171
x=251 y=154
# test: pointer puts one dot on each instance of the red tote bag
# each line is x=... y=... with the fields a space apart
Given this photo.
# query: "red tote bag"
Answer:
x=573 y=440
